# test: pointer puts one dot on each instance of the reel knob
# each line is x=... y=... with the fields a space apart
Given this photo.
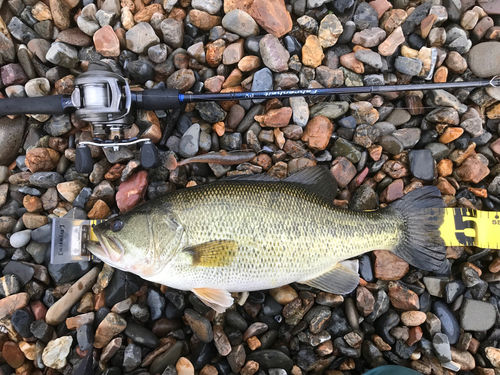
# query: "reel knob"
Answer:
x=149 y=155
x=83 y=159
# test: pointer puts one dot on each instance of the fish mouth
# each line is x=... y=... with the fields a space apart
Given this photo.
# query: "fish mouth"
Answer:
x=110 y=247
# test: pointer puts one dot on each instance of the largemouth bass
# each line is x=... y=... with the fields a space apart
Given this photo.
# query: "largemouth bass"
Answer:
x=255 y=233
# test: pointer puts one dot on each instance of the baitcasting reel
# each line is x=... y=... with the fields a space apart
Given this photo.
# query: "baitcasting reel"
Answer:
x=104 y=99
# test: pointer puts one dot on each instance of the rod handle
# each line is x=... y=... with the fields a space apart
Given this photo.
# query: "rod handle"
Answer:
x=43 y=105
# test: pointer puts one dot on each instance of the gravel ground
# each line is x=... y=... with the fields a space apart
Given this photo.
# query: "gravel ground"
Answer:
x=55 y=318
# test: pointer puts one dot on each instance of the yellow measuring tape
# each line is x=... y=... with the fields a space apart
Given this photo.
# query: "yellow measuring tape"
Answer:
x=466 y=227
x=461 y=227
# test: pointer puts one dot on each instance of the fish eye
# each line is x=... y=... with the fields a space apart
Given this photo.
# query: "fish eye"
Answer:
x=116 y=225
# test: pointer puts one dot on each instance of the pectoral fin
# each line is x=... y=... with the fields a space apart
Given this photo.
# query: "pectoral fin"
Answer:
x=213 y=253
x=339 y=280
x=217 y=299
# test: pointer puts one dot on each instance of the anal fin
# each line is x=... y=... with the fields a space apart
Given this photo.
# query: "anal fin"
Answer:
x=217 y=299
x=339 y=280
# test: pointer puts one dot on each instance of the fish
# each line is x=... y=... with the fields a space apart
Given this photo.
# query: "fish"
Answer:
x=246 y=233
x=222 y=157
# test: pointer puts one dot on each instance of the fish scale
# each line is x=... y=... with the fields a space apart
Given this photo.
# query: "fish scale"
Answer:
x=277 y=226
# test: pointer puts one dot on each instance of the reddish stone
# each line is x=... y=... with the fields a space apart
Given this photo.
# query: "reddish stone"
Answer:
x=450 y=134
x=414 y=336
x=375 y=152
x=381 y=6
x=275 y=118
x=203 y=20
x=214 y=84
x=263 y=160
x=13 y=355
x=106 y=42
x=389 y=266
x=215 y=52
x=426 y=25
x=41 y=159
x=396 y=169
x=343 y=171
x=350 y=62
x=12 y=303
x=13 y=74
x=32 y=203
x=495 y=147
x=75 y=37
x=445 y=187
x=132 y=191
x=393 y=191
x=445 y=167
x=403 y=298
x=99 y=211
x=473 y=170
x=317 y=132
x=38 y=309
x=230 y=5
x=389 y=46
x=272 y=16
x=114 y=172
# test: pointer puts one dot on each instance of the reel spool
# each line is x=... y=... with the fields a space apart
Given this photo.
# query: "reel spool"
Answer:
x=103 y=98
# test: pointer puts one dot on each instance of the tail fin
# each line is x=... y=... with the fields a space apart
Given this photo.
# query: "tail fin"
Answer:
x=422 y=246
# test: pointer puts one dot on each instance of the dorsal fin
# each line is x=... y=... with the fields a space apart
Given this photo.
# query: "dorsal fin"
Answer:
x=261 y=177
x=316 y=179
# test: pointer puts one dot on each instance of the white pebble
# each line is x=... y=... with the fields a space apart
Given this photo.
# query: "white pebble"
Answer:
x=20 y=239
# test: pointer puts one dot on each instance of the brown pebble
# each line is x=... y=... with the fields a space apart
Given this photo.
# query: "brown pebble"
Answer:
x=380 y=343
x=275 y=118
x=221 y=341
x=32 y=203
x=393 y=191
x=473 y=170
x=441 y=75
x=445 y=167
x=184 y=367
x=253 y=343
x=413 y=318
x=100 y=210
x=450 y=134
x=375 y=152
x=12 y=303
x=317 y=132
x=250 y=368
x=365 y=302
x=41 y=159
x=112 y=325
x=389 y=266
x=283 y=295
x=464 y=359
x=114 y=172
x=13 y=355
x=271 y=15
x=343 y=171
x=402 y=297
x=312 y=52
x=208 y=370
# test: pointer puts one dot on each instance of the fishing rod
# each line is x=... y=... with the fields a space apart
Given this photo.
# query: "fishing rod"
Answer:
x=105 y=100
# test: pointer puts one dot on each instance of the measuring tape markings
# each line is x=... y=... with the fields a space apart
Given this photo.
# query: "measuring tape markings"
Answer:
x=466 y=227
